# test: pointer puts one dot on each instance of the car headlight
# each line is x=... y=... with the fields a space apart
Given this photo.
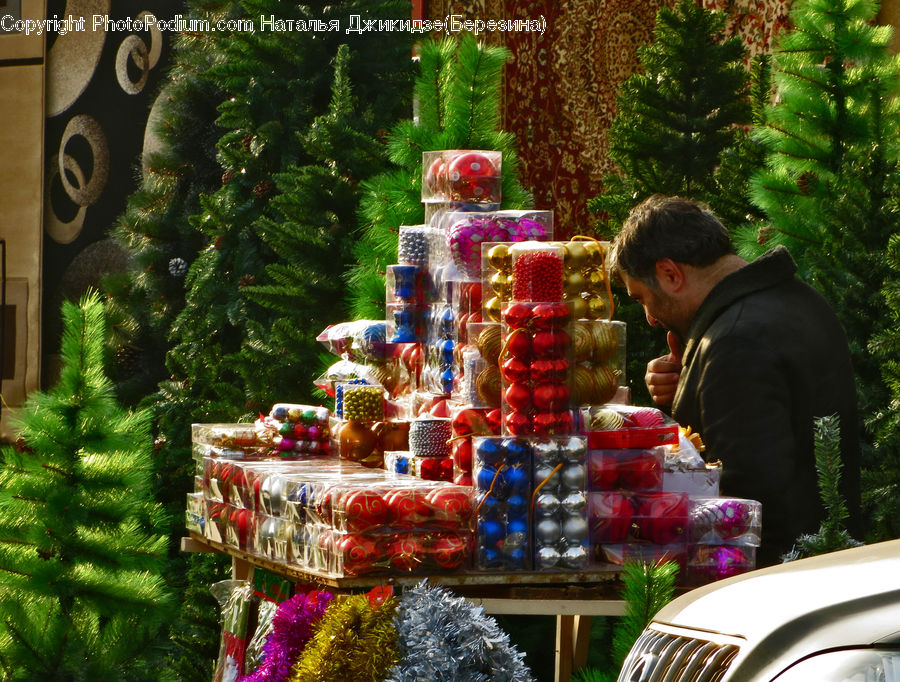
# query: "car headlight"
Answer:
x=851 y=665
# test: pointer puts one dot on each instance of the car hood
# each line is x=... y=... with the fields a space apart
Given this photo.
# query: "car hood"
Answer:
x=786 y=612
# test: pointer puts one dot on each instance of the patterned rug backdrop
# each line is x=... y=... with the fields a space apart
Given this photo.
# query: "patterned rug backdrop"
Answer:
x=561 y=87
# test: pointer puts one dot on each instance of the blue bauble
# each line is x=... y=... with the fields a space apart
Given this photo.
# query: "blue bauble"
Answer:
x=490 y=533
x=485 y=478
x=280 y=414
x=517 y=525
x=516 y=479
x=517 y=450
x=517 y=505
x=488 y=506
x=488 y=451
x=515 y=559
x=489 y=557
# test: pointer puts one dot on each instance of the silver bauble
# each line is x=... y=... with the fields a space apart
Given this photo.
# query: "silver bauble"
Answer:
x=574 y=557
x=575 y=529
x=574 y=503
x=573 y=476
x=547 y=531
x=573 y=449
x=546 y=557
x=546 y=451
x=546 y=504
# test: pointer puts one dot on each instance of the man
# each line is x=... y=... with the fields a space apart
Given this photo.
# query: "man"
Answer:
x=756 y=355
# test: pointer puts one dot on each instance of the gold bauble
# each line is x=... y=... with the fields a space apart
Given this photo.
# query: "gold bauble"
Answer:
x=598 y=307
x=595 y=278
x=605 y=384
x=582 y=341
x=579 y=308
x=493 y=307
x=498 y=257
x=605 y=419
x=596 y=253
x=574 y=283
x=501 y=283
x=487 y=386
x=575 y=256
x=582 y=385
x=606 y=343
x=489 y=344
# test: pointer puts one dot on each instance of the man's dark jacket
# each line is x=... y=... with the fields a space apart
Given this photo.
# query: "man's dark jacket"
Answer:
x=764 y=356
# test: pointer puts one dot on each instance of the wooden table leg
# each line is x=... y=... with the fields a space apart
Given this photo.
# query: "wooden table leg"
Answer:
x=582 y=636
x=564 y=648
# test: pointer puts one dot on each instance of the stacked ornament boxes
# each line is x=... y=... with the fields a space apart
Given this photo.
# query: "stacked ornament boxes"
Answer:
x=639 y=508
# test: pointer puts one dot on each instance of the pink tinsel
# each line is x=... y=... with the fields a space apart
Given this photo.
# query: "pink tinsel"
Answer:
x=292 y=628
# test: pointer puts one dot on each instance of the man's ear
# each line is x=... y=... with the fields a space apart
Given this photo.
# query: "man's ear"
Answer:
x=670 y=275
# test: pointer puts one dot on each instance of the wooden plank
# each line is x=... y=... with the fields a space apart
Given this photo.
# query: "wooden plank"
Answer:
x=582 y=638
x=550 y=606
x=564 y=648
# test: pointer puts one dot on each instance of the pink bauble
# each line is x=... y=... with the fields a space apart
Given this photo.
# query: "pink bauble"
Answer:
x=465 y=238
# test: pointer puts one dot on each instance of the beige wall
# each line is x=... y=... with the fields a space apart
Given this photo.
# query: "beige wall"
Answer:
x=21 y=199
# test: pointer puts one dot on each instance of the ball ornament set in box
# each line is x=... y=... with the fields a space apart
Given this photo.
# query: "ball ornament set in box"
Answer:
x=481 y=426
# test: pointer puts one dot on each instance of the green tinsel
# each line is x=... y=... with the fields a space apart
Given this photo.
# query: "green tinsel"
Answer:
x=354 y=641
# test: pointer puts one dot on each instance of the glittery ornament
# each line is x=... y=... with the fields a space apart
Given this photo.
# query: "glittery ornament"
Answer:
x=430 y=437
x=603 y=419
x=722 y=518
x=445 y=637
x=718 y=562
x=488 y=386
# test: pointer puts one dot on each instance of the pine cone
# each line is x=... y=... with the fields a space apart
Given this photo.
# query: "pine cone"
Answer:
x=219 y=240
x=263 y=189
x=805 y=181
x=227 y=177
x=245 y=142
x=246 y=281
x=178 y=267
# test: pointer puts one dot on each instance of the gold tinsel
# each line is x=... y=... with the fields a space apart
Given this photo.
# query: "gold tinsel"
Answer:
x=353 y=641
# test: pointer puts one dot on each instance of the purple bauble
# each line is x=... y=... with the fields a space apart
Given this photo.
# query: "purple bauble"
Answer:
x=524 y=229
x=465 y=238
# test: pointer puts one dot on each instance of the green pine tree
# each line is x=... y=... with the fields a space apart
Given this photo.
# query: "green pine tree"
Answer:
x=81 y=552
x=458 y=96
x=154 y=229
x=647 y=588
x=832 y=534
x=678 y=114
x=678 y=131
x=831 y=169
x=312 y=235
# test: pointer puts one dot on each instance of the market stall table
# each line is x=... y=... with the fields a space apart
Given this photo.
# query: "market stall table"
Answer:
x=572 y=597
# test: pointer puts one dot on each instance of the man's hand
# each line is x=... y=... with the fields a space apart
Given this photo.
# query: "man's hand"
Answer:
x=663 y=372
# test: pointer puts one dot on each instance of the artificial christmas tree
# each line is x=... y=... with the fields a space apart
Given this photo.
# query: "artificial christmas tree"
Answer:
x=676 y=117
x=457 y=93
x=81 y=549
x=832 y=168
x=154 y=229
x=677 y=120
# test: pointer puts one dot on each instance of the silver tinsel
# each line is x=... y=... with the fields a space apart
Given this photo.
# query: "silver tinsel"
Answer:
x=444 y=638
x=178 y=267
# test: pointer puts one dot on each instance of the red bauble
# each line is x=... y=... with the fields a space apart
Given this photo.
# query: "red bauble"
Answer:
x=545 y=424
x=518 y=344
x=362 y=510
x=603 y=471
x=514 y=370
x=610 y=517
x=565 y=423
x=494 y=418
x=470 y=421
x=517 y=423
x=640 y=470
x=662 y=517
x=359 y=553
x=517 y=315
x=470 y=298
x=435 y=469
x=406 y=551
x=550 y=315
x=407 y=507
x=449 y=550
x=451 y=506
x=464 y=478
x=542 y=371
x=518 y=397
x=240 y=524
x=473 y=177
x=550 y=343
x=550 y=396
x=462 y=454
x=436 y=176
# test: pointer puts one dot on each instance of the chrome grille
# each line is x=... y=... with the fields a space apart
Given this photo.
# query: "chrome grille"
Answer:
x=664 y=657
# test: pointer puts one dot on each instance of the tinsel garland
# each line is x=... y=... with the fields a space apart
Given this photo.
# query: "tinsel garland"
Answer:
x=444 y=638
x=292 y=628
x=354 y=641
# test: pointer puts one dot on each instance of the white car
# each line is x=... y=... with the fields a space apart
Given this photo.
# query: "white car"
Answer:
x=831 y=618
